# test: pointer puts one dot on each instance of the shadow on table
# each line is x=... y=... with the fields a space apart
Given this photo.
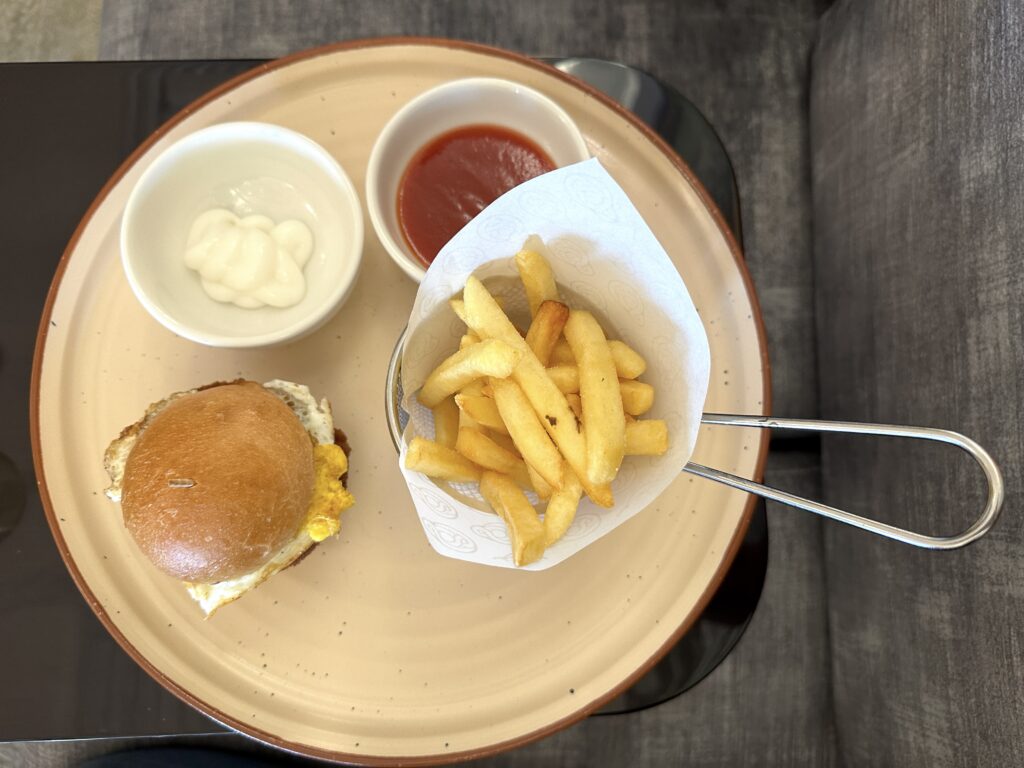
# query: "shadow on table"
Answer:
x=193 y=757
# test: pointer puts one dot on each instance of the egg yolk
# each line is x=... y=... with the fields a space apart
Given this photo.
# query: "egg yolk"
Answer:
x=330 y=497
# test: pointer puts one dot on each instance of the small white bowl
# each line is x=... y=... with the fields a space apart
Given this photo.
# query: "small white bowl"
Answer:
x=472 y=101
x=247 y=168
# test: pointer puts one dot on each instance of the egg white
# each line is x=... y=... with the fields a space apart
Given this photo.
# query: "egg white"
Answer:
x=315 y=417
x=212 y=596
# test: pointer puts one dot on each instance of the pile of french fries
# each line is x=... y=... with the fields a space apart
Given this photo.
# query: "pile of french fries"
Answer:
x=553 y=411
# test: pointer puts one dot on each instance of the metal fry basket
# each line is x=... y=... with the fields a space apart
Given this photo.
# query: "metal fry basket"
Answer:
x=396 y=419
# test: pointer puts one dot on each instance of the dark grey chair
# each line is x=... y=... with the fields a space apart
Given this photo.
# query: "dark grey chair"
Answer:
x=879 y=150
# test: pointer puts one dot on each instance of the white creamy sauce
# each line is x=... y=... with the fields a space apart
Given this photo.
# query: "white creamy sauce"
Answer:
x=250 y=262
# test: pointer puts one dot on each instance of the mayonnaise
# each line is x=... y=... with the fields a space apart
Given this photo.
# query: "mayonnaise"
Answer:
x=249 y=262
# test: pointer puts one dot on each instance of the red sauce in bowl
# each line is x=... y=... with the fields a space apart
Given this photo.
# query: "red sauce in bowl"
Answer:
x=457 y=175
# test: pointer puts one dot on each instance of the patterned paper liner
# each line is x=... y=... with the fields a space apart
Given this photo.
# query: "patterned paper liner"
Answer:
x=607 y=260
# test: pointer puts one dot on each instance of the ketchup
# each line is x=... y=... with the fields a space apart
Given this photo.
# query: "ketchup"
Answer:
x=457 y=175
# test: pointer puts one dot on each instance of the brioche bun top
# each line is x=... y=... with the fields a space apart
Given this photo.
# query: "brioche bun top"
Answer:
x=218 y=482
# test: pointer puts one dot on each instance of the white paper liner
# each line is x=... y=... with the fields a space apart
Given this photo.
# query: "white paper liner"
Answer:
x=605 y=259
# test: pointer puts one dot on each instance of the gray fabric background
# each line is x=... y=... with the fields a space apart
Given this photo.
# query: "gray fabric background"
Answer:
x=902 y=139
x=917 y=126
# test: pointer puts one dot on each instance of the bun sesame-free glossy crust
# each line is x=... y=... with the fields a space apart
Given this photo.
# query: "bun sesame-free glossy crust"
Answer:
x=218 y=482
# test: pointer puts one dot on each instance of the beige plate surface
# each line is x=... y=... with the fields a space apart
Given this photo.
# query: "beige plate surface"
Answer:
x=376 y=648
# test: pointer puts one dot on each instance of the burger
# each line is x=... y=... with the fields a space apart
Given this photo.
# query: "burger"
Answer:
x=223 y=486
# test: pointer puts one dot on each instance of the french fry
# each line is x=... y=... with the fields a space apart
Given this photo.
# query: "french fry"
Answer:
x=561 y=509
x=562 y=354
x=553 y=409
x=488 y=321
x=482 y=410
x=566 y=378
x=603 y=417
x=446 y=422
x=576 y=404
x=475 y=387
x=628 y=362
x=599 y=493
x=538 y=280
x=490 y=489
x=527 y=432
x=637 y=397
x=546 y=328
x=484 y=452
x=525 y=529
x=465 y=420
x=521 y=475
x=434 y=460
x=502 y=439
x=540 y=485
x=647 y=437
x=459 y=308
x=492 y=357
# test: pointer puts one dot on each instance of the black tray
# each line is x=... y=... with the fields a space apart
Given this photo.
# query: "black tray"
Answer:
x=65 y=130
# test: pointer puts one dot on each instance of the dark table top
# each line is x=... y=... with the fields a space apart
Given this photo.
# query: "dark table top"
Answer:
x=66 y=128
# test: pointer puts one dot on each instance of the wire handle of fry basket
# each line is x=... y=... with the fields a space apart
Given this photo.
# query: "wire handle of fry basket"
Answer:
x=978 y=529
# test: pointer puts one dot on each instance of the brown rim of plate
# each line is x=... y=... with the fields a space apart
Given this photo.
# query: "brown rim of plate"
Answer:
x=270 y=738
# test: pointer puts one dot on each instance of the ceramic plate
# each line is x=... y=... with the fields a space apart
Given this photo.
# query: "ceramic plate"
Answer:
x=376 y=649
